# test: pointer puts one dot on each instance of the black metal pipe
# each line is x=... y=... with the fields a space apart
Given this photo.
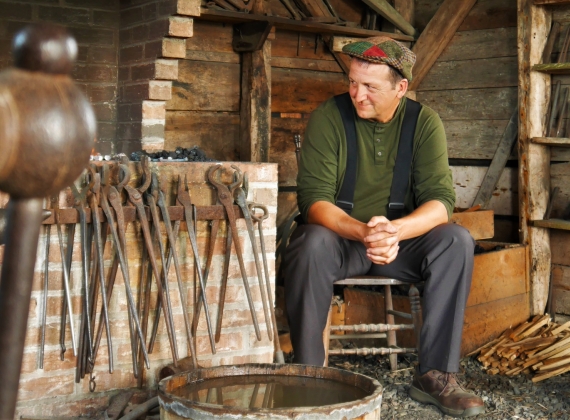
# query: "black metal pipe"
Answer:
x=22 y=235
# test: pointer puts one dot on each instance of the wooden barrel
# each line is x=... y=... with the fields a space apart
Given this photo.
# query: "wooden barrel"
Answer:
x=176 y=404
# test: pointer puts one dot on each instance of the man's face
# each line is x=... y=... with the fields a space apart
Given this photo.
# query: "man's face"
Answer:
x=372 y=93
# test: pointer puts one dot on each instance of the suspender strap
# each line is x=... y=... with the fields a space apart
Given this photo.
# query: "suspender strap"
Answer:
x=403 y=165
x=346 y=193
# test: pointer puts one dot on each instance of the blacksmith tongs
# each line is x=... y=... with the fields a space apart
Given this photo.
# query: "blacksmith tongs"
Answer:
x=225 y=196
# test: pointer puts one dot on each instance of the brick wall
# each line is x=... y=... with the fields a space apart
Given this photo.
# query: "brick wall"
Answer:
x=95 y=26
x=53 y=392
x=151 y=41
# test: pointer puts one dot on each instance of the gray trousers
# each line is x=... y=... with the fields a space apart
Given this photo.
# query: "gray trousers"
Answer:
x=316 y=257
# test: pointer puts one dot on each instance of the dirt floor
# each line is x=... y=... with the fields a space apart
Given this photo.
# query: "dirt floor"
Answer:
x=505 y=397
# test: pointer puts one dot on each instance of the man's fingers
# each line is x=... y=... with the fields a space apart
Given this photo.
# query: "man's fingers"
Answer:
x=380 y=239
x=383 y=255
x=377 y=220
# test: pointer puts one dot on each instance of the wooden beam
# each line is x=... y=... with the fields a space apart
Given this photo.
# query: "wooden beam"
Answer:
x=384 y=9
x=502 y=154
x=406 y=9
x=437 y=34
x=296 y=25
x=255 y=105
x=534 y=159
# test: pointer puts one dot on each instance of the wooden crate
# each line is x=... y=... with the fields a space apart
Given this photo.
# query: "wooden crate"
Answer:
x=499 y=298
x=480 y=223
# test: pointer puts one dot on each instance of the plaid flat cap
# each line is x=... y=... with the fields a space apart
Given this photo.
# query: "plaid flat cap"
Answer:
x=383 y=50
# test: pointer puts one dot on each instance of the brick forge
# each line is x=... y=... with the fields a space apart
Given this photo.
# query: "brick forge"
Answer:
x=151 y=44
x=52 y=391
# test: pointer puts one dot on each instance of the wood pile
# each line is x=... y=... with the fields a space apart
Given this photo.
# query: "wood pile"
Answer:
x=539 y=347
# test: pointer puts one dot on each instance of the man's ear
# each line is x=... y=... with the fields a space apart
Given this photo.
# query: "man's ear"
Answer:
x=402 y=88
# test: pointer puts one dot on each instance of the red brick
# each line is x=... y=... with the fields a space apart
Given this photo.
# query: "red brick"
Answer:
x=166 y=69
x=153 y=49
x=54 y=305
x=142 y=72
x=180 y=27
x=157 y=29
x=139 y=33
x=63 y=15
x=106 y=130
x=102 y=93
x=228 y=342
x=94 y=73
x=105 y=147
x=129 y=130
x=19 y=11
x=131 y=16
x=98 y=54
x=188 y=7
x=160 y=90
x=134 y=92
x=120 y=378
x=149 y=11
x=167 y=7
x=131 y=54
x=105 y=112
x=46 y=386
x=173 y=48
x=108 y=19
x=95 y=4
x=124 y=73
x=93 y=36
x=154 y=110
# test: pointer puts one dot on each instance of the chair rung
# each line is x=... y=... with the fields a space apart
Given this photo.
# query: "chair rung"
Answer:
x=371 y=328
x=400 y=314
x=356 y=336
x=370 y=281
x=370 y=351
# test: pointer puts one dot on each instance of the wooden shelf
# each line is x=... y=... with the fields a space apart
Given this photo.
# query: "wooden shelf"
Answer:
x=295 y=25
x=551 y=2
x=560 y=224
x=554 y=68
x=552 y=141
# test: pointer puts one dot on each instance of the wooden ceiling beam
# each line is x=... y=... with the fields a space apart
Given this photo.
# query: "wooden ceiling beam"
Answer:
x=437 y=34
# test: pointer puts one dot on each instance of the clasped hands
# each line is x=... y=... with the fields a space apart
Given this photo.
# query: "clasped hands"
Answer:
x=381 y=240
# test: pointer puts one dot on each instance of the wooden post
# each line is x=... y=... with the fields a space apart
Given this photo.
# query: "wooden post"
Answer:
x=255 y=107
x=534 y=159
x=406 y=9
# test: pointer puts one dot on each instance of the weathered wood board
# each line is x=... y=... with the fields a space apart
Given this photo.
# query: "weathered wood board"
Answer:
x=471 y=104
x=206 y=86
x=485 y=14
x=474 y=139
x=498 y=299
x=480 y=223
x=471 y=74
x=479 y=44
x=282 y=150
x=561 y=288
x=468 y=179
x=303 y=90
x=211 y=42
x=216 y=133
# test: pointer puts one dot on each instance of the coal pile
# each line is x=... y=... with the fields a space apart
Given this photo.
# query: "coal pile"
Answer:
x=181 y=154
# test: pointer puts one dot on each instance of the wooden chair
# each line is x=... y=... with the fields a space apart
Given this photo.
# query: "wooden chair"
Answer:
x=386 y=330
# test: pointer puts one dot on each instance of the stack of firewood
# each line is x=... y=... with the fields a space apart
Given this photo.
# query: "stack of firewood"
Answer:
x=539 y=347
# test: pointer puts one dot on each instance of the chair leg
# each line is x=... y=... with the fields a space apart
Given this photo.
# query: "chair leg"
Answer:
x=327 y=337
x=415 y=305
x=389 y=306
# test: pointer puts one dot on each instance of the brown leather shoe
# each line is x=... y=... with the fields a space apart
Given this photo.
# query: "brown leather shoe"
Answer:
x=443 y=390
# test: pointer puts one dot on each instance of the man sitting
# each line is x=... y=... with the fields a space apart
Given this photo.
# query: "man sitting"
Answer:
x=385 y=225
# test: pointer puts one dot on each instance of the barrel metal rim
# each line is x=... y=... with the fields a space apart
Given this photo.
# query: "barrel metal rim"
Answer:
x=203 y=411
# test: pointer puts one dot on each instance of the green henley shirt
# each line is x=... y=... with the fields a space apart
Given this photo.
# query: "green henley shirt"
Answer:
x=323 y=162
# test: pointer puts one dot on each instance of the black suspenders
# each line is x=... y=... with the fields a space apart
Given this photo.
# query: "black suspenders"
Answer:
x=403 y=164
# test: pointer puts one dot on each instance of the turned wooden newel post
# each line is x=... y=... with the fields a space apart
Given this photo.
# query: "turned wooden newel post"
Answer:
x=47 y=129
